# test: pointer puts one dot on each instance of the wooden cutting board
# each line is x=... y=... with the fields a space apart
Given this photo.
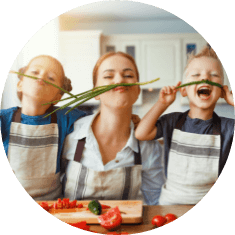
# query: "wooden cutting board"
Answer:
x=131 y=212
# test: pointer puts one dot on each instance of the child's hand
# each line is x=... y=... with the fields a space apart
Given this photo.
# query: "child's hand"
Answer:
x=227 y=95
x=168 y=94
x=136 y=120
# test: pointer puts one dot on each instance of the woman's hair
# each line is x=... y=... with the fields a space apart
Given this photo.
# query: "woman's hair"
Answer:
x=206 y=51
x=107 y=55
x=66 y=81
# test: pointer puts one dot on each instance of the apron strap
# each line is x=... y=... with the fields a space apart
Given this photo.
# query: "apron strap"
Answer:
x=81 y=144
x=17 y=115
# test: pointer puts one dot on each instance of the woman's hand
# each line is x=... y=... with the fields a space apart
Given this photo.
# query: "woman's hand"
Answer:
x=136 y=120
x=227 y=95
x=168 y=94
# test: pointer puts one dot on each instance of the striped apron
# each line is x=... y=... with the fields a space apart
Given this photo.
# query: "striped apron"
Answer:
x=82 y=183
x=32 y=154
x=193 y=165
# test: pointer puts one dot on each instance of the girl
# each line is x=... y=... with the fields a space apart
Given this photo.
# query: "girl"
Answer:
x=33 y=144
x=105 y=160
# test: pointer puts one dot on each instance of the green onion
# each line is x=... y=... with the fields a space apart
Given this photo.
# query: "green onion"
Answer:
x=21 y=74
x=84 y=96
x=199 y=82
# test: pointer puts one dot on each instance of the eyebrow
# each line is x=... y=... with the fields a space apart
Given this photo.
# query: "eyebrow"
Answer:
x=112 y=70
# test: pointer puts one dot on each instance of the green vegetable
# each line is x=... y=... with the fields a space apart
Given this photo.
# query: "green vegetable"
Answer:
x=95 y=207
x=87 y=95
x=199 y=82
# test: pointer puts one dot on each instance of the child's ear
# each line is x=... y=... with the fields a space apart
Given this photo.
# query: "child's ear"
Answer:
x=183 y=91
x=97 y=97
x=19 y=86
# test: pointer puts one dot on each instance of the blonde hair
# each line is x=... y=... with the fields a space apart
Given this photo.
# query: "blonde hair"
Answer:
x=66 y=81
x=107 y=55
x=206 y=51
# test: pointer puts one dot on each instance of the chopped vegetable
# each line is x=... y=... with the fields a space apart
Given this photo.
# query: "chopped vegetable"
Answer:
x=111 y=220
x=95 y=207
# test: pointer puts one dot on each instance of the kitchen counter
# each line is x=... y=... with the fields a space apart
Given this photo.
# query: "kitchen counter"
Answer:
x=148 y=213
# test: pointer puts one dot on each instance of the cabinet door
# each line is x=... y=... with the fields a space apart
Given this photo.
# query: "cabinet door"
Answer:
x=161 y=59
x=79 y=51
x=131 y=47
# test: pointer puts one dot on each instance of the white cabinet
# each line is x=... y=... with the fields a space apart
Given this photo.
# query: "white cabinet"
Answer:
x=79 y=51
x=130 y=46
x=161 y=59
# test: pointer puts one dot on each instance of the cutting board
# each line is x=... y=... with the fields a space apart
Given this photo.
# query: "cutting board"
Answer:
x=131 y=212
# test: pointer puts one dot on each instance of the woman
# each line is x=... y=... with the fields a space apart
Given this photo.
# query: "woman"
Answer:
x=105 y=160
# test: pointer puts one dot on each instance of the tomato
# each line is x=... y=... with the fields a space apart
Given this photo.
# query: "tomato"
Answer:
x=105 y=206
x=73 y=204
x=44 y=205
x=158 y=220
x=82 y=225
x=66 y=203
x=80 y=205
x=170 y=217
x=111 y=219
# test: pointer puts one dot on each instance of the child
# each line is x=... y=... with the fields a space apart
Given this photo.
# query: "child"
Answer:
x=197 y=142
x=33 y=144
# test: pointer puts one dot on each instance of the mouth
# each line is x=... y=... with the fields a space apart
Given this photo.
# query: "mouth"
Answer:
x=120 y=88
x=204 y=92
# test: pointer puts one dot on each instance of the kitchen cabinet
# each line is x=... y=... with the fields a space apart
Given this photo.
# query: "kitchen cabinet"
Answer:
x=79 y=51
x=161 y=58
x=130 y=46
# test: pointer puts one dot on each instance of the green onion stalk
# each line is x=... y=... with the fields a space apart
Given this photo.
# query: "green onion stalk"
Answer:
x=199 y=82
x=84 y=96
x=87 y=95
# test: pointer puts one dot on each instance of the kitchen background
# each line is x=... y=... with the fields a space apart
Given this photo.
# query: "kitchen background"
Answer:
x=158 y=40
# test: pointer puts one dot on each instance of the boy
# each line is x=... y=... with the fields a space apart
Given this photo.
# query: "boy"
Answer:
x=197 y=142
x=33 y=144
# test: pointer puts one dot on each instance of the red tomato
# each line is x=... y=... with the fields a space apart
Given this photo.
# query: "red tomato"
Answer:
x=44 y=205
x=105 y=206
x=111 y=219
x=80 y=205
x=158 y=220
x=82 y=225
x=73 y=204
x=170 y=217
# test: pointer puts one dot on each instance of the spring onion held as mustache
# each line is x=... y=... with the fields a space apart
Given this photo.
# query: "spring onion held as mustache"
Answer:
x=87 y=95
x=199 y=82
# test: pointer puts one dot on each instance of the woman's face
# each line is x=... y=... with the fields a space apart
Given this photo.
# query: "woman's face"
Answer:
x=113 y=70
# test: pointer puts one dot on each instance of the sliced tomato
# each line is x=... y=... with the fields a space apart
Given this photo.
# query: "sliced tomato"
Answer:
x=73 y=204
x=44 y=205
x=105 y=206
x=80 y=205
x=111 y=220
x=82 y=225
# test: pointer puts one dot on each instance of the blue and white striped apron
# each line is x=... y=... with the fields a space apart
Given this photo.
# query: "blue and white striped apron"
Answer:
x=32 y=154
x=82 y=183
x=193 y=165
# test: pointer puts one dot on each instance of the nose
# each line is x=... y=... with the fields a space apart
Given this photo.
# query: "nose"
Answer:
x=119 y=78
x=205 y=76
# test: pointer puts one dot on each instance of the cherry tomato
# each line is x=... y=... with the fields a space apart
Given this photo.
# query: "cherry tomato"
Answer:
x=170 y=217
x=111 y=219
x=158 y=220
